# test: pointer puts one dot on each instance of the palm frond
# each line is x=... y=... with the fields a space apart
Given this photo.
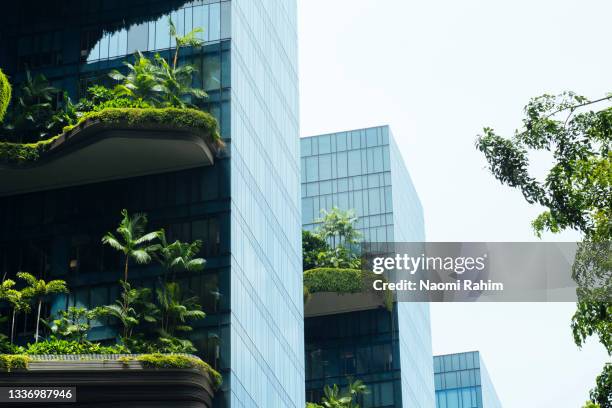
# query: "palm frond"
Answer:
x=141 y=256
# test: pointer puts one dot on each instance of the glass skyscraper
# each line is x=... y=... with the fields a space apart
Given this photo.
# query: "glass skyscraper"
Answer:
x=390 y=351
x=245 y=207
x=462 y=381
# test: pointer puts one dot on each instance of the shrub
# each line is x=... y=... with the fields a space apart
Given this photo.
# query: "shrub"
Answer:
x=10 y=362
x=57 y=346
x=179 y=361
x=5 y=94
x=342 y=281
x=137 y=344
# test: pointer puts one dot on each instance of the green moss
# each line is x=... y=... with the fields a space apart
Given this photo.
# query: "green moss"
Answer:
x=17 y=153
x=179 y=361
x=66 y=347
x=342 y=281
x=10 y=362
x=5 y=94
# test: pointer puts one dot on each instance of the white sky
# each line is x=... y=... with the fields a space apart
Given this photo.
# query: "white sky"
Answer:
x=437 y=71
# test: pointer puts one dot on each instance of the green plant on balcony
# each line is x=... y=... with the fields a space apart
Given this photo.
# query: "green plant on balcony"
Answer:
x=338 y=229
x=176 y=310
x=344 y=281
x=131 y=309
x=17 y=300
x=157 y=361
x=55 y=346
x=10 y=362
x=178 y=256
x=133 y=241
x=30 y=117
x=5 y=94
x=334 y=397
x=38 y=290
x=72 y=324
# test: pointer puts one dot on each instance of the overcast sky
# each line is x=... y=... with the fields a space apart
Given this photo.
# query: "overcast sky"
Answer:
x=437 y=71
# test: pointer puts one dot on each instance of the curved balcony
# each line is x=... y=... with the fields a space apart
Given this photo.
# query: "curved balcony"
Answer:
x=131 y=143
x=114 y=381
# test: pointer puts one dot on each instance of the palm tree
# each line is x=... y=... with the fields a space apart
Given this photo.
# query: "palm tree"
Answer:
x=333 y=398
x=188 y=40
x=176 y=83
x=14 y=298
x=134 y=241
x=175 y=311
x=178 y=256
x=34 y=109
x=338 y=230
x=141 y=82
x=130 y=309
x=20 y=303
x=38 y=289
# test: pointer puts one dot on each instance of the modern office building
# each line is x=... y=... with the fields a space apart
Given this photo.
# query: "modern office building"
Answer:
x=390 y=351
x=244 y=205
x=462 y=381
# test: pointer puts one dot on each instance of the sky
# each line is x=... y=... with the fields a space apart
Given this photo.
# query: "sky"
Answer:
x=437 y=72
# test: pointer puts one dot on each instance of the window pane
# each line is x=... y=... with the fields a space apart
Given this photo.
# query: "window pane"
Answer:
x=226 y=21
x=215 y=22
x=138 y=38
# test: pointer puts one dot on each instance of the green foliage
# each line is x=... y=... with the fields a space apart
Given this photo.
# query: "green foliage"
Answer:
x=140 y=344
x=342 y=281
x=55 y=346
x=18 y=301
x=191 y=39
x=132 y=308
x=134 y=242
x=24 y=152
x=31 y=116
x=334 y=280
x=5 y=94
x=312 y=246
x=141 y=82
x=122 y=103
x=335 y=398
x=19 y=153
x=157 y=82
x=176 y=310
x=178 y=256
x=577 y=191
x=6 y=347
x=39 y=290
x=180 y=361
x=10 y=362
x=66 y=115
x=593 y=317
x=591 y=404
x=337 y=228
x=72 y=324
x=602 y=393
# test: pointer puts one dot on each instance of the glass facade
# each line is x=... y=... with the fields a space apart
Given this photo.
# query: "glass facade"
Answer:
x=267 y=298
x=462 y=381
x=245 y=207
x=363 y=170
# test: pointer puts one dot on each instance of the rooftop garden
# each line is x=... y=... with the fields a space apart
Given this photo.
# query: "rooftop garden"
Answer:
x=152 y=325
x=331 y=260
x=152 y=93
